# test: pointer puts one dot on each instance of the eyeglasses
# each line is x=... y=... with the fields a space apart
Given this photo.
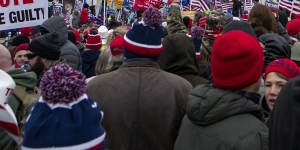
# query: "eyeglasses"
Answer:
x=30 y=55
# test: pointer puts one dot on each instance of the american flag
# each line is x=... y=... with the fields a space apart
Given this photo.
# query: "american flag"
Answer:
x=185 y=5
x=248 y=4
x=199 y=5
x=218 y=4
x=227 y=5
x=291 y=5
x=186 y=8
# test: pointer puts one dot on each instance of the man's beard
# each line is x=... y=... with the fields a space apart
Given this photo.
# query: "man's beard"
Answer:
x=38 y=67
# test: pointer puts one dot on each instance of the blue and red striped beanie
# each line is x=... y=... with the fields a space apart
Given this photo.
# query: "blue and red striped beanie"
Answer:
x=64 y=117
x=143 y=40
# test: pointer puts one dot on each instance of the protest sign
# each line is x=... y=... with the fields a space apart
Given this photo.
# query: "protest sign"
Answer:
x=272 y=4
x=22 y=13
x=190 y=14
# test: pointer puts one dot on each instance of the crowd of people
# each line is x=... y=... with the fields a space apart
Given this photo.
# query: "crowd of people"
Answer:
x=213 y=82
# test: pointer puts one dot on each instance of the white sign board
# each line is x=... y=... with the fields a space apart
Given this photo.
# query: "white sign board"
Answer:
x=22 y=13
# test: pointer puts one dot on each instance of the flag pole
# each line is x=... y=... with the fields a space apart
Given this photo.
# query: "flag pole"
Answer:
x=292 y=9
x=104 y=13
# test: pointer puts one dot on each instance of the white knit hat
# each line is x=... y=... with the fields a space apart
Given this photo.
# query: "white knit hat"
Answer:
x=103 y=31
x=7 y=117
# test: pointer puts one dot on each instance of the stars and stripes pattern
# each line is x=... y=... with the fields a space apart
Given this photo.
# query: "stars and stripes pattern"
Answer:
x=185 y=5
x=199 y=5
x=218 y=4
x=227 y=5
x=292 y=6
x=186 y=8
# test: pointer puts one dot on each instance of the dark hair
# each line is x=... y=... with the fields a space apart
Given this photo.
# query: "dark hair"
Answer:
x=186 y=21
x=262 y=20
x=86 y=6
x=72 y=37
x=20 y=39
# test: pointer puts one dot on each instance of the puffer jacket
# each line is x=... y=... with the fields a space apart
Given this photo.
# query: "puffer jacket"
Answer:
x=221 y=120
x=275 y=47
x=69 y=51
x=143 y=105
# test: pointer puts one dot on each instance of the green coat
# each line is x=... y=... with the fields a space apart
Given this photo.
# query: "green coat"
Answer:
x=221 y=120
x=20 y=101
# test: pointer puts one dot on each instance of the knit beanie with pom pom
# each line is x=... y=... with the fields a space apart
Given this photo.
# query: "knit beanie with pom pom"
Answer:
x=143 y=40
x=64 y=117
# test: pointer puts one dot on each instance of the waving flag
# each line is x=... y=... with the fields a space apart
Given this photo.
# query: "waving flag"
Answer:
x=199 y=5
x=218 y=4
x=227 y=5
x=292 y=5
x=185 y=5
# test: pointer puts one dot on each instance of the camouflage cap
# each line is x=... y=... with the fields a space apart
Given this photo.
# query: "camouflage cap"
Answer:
x=215 y=20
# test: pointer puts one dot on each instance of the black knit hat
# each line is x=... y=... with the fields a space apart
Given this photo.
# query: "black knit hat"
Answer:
x=239 y=25
x=46 y=46
x=20 y=39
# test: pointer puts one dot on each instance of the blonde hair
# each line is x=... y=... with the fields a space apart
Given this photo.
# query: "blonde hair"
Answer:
x=106 y=62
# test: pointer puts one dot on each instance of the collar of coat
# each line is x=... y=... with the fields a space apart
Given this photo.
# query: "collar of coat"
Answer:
x=140 y=62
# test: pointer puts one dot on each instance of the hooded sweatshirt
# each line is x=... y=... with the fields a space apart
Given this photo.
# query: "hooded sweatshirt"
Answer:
x=285 y=119
x=68 y=50
x=217 y=119
x=174 y=20
x=20 y=101
x=178 y=57
x=89 y=60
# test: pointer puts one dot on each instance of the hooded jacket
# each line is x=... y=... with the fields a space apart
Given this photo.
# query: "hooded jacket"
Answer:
x=68 y=50
x=178 y=57
x=174 y=21
x=143 y=105
x=21 y=101
x=89 y=60
x=275 y=47
x=285 y=119
x=221 y=120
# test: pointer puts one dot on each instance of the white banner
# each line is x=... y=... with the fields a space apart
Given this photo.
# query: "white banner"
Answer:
x=22 y=13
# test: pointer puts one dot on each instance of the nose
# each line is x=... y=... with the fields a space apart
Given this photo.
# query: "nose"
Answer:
x=274 y=90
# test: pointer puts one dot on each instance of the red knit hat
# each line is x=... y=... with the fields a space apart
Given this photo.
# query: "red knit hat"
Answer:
x=237 y=60
x=26 y=31
x=286 y=67
x=117 y=43
x=93 y=40
x=293 y=27
x=77 y=36
x=21 y=47
x=297 y=16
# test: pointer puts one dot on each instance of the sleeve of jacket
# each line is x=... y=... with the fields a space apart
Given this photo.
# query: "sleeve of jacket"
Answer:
x=283 y=32
x=174 y=20
x=257 y=141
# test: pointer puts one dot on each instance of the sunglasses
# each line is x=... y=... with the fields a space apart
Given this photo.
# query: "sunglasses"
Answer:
x=30 y=55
